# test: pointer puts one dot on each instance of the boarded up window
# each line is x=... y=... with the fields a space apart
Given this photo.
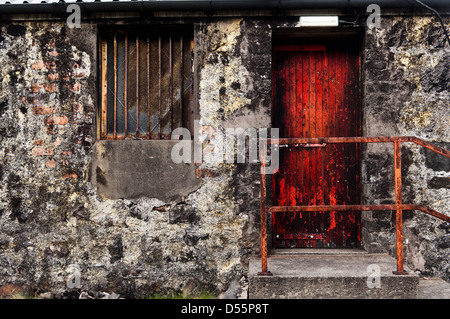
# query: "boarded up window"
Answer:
x=146 y=83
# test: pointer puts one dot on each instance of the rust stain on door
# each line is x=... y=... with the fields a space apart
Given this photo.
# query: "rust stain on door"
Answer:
x=316 y=94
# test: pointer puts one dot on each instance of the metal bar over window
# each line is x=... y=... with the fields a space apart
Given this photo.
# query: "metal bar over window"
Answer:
x=104 y=88
x=181 y=82
x=137 y=85
x=170 y=85
x=159 y=85
x=115 y=86
x=125 y=84
x=149 y=126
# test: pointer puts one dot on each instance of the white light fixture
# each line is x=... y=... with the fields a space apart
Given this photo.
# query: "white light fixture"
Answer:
x=319 y=21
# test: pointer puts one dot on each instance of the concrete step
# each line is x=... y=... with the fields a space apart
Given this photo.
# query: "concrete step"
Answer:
x=338 y=274
x=316 y=251
x=434 y=288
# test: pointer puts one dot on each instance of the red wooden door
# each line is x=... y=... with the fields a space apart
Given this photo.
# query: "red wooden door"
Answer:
x=316 y=94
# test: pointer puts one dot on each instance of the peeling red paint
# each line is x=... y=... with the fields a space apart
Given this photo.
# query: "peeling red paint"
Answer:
x=315 y=94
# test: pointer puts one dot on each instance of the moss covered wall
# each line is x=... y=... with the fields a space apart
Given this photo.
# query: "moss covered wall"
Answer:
x=407 y=93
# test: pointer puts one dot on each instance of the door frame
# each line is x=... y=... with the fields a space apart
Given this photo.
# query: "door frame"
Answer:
x=296 y=38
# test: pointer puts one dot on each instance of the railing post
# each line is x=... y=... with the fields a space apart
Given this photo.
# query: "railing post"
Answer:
x=262 y=203
x=398 y=207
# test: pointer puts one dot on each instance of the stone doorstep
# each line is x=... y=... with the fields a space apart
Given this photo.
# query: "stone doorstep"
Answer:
x=434 y=288
x=315 y=251
x=341 y=275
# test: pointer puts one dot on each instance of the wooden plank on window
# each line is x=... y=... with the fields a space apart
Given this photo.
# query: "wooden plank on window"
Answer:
x=170 y=100
x=159 y=86
x=165 y=117
x=104 y=88
x=120 y=92
x=110 y=78
x=115 y=85
x=154 y=88
x=177 y=80
x=137 y=85
x=125 y=84
x=131 y=85
x=185 y=83
x=148 y=89
x=190 y=94
x=143 y=87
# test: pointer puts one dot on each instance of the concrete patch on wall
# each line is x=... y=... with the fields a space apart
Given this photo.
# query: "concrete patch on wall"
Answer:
x=132 y=169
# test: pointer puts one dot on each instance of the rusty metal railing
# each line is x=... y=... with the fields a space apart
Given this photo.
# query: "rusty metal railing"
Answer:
x=398 y=207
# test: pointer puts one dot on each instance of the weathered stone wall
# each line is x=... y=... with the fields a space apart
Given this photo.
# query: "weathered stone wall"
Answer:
x=407 y=92
x=47 y=98
x=52 y=216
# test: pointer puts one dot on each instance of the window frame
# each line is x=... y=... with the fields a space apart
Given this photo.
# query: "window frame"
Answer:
x=187 y=111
